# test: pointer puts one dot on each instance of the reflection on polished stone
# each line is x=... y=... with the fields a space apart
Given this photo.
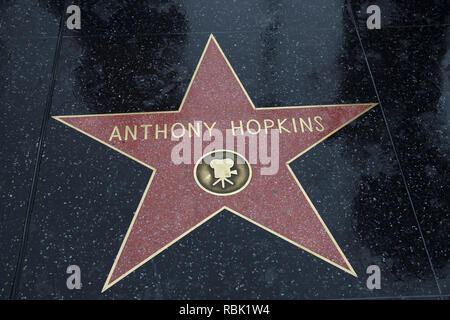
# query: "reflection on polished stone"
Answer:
x=27 y=42
x=416 y=60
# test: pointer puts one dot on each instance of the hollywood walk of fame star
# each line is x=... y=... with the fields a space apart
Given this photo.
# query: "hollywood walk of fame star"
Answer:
x=174 y=203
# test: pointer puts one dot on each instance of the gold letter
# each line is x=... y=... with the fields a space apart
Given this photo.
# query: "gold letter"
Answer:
x=248 y=126
x=294 y=125
x=173 y=131
x=209 y=128
x=115 y=134
x=302 y=122
x=266 y=126
x=280 y=126
x=132 y=134
x=157 y=131
x=234 y=128
x=146 y=126
x=191 y=127
x=318 y=122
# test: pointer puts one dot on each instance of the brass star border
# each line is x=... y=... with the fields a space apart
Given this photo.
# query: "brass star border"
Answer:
x=67 y=121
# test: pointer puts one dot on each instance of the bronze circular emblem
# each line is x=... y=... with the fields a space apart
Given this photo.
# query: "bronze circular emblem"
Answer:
x=222 y=172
